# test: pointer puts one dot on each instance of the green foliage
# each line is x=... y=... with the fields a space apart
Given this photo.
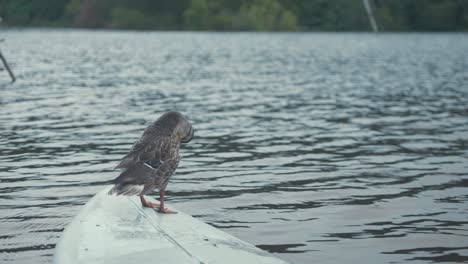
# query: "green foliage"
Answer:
x=338 y=15
x=201 y=15
x=258 y=15
x=129 y=19
x=71 y=10
x=29 y=12
x=423 y=15
x=265 y=15
x=261 y=15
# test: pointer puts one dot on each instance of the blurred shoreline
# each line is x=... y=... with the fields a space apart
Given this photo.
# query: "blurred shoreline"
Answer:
x=240 y=15
x=49 y=28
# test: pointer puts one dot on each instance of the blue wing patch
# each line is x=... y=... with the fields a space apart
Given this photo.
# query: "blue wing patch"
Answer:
x=153 y=164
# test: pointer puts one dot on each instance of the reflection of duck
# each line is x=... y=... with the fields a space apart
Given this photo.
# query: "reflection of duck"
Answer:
x=153 y=159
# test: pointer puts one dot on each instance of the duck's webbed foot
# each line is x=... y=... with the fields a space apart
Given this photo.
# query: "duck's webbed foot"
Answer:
x=166 y=211
x=162 y=209
x=145 y=203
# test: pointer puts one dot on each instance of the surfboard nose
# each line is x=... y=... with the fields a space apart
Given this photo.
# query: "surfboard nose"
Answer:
x=117 y=229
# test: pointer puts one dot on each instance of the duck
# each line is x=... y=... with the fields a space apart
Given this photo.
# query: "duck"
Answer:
x=153 y=159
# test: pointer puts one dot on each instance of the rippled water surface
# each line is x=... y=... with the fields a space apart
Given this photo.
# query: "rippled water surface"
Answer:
x=320 y=148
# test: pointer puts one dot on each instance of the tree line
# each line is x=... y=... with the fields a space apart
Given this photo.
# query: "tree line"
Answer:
x=238 y=15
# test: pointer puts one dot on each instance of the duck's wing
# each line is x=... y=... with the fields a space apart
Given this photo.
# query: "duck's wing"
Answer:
x=146 y=148
x=146 y=167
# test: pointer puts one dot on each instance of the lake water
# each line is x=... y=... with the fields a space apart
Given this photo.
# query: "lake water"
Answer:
x=320 y=148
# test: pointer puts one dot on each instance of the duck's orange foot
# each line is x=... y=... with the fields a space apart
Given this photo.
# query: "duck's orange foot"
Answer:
x=166 y=211
x=145 y=203
x=150 y=205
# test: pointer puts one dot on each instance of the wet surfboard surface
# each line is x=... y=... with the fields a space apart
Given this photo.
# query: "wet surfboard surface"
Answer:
x=116 y=229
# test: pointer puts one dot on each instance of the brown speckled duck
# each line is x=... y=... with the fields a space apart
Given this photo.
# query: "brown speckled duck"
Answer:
x=153 y=159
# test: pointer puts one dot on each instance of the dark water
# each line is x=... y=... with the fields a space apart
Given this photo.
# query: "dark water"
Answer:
x=320 y=148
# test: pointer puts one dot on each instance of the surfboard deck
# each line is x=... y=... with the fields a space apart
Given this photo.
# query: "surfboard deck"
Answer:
x=116 y=229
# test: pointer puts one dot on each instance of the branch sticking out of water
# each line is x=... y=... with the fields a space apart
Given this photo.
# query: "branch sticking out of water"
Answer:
x=13 y=78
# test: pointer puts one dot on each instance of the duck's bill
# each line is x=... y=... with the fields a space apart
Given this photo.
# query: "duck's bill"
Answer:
x=189 y=138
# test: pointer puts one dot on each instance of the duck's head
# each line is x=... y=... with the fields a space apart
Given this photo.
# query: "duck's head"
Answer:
x=177 y=125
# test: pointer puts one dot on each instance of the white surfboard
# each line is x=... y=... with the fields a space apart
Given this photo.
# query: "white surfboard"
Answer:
x=116 y=229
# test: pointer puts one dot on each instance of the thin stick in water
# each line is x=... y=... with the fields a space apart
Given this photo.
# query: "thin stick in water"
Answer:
x=370 y=14
x=13 y=79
